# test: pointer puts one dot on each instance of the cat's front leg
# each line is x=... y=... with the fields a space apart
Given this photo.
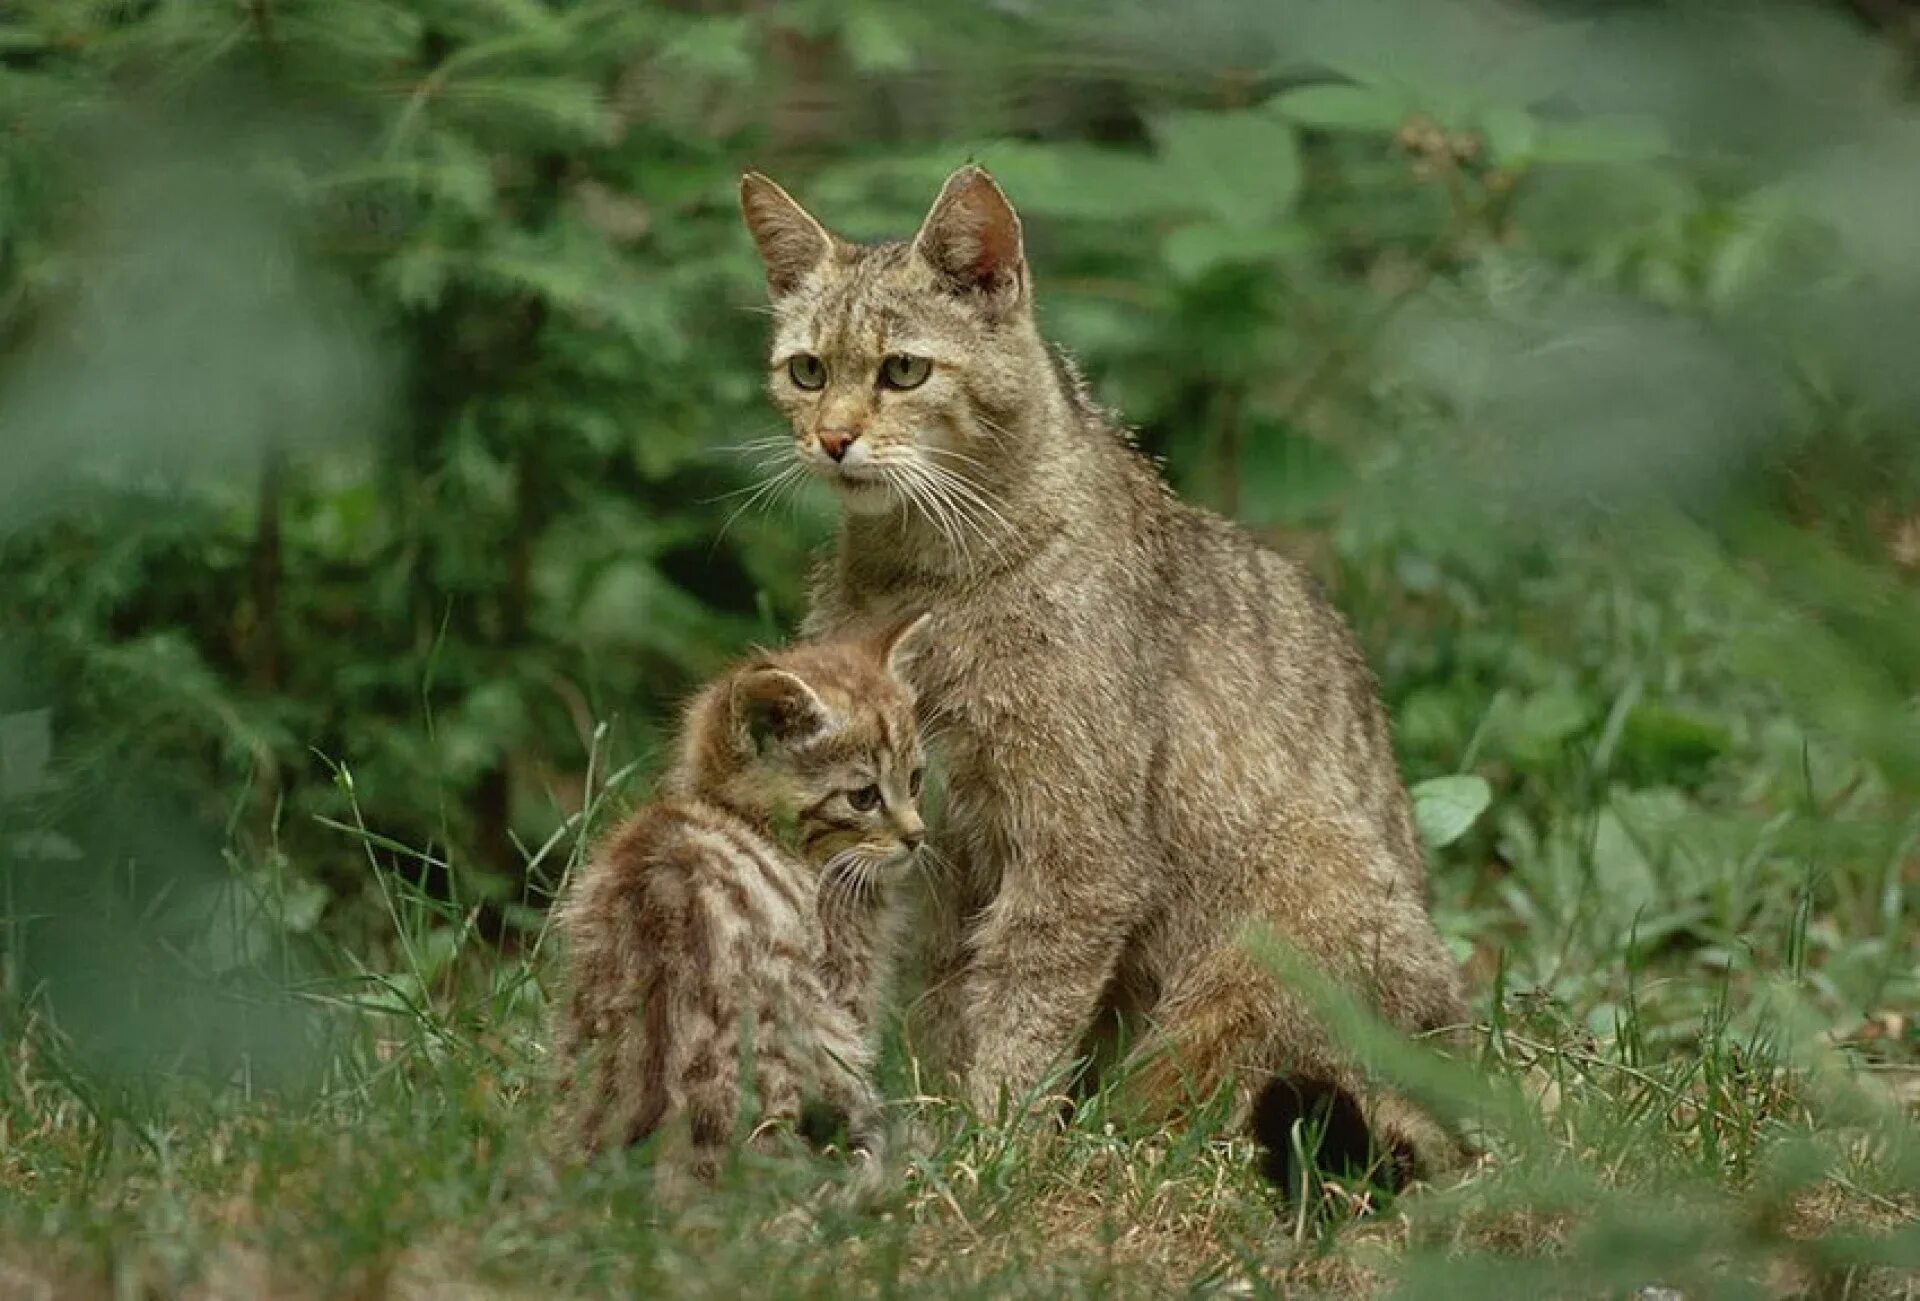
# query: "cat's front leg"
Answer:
x=953 y=902
x=1042 y=957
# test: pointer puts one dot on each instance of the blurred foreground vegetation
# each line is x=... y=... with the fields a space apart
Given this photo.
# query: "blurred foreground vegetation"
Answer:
x=372 y=379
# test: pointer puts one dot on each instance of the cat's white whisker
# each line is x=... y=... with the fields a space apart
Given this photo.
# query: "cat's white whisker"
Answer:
x=930 y=450
x=766 y=490
x=993 y=426
x=972 y=492
x=951 y=506
x=924 y=495
x=753 y=446
x=966 y=503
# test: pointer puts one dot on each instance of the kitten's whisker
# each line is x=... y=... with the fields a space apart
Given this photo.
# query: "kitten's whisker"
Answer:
x=938 y=863
x=835 y=881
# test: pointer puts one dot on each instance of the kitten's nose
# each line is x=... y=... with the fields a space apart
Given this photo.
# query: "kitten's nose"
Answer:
x=835 y=442
x=913 y=839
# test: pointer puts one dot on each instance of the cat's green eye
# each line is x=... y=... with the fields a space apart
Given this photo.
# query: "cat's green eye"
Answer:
x=913 y=782
x=902 y=371
x=807 y=371
x=864 y=800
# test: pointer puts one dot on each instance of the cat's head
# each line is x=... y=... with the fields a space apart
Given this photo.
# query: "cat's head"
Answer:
x=820 y=739
x=902 y=367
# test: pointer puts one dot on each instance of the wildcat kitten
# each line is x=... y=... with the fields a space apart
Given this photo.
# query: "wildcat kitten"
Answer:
x=1157 y=732
x=747 y=911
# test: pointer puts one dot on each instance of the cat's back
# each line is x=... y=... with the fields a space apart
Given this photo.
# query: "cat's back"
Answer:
x=1260 y=671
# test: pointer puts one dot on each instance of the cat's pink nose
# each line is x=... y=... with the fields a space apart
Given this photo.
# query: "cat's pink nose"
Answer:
x=835 y=442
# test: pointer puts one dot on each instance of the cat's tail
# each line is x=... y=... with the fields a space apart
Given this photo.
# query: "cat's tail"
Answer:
x=1229 y=1034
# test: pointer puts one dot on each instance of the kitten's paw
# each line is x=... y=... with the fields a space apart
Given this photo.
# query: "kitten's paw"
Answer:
x=868 y=1143
x=868 y=1182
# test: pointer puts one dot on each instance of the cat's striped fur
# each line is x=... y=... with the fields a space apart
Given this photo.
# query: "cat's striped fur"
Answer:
x=1157 y=733
x=728 y=942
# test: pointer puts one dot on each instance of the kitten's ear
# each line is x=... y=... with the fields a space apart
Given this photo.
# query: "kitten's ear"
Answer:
x=775 y=706
x=791 y=242
x=899 y=642
x=972 y=237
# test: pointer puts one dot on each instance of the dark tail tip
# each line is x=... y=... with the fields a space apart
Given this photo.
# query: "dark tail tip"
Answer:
x=1333 y=1134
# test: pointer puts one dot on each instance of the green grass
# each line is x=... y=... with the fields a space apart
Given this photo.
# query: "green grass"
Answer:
x=1755 y=1163
x=425 y=1167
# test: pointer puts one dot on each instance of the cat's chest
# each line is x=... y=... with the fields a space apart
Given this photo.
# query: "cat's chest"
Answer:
x=1002 y=672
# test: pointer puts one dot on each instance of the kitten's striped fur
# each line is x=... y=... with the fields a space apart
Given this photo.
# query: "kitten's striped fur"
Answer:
x=744 y=917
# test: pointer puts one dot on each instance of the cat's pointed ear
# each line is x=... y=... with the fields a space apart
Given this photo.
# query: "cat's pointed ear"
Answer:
x=972 y=237
x=901 y=640
x=790 y=241
x=773 y=706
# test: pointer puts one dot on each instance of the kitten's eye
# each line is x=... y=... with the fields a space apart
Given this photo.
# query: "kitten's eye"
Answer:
x=903 y=372
x=864 y=800
x=913 y=782
x=807 y=371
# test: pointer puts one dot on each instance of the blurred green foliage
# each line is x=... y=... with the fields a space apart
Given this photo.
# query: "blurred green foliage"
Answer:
x=371 y=370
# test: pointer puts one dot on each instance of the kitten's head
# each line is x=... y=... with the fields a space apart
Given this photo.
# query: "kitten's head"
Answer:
x=821 y=737
x=902 y=366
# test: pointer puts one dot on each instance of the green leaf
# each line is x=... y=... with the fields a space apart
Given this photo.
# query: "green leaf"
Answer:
x=1287 y=476
x=713 y=47
x=1661 y=741
x=1600 y=141
x=1079 y=181
x=1193 y=250
x=1373 y=110
x=1545 y=722
x=417 y=275
x=1445 y=808
x=1242 y=167
x=572 y=109
x=1510 y=133
x=26 y=748
x=874 y=42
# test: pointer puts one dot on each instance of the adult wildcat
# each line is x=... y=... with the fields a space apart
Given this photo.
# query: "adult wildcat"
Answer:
x=1156 y=732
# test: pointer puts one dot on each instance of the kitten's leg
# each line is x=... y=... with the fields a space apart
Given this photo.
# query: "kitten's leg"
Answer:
x=707 y=1028
x=1042 y=957
x=778 y=1080
x=609 y=1094
x=842 y=1071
